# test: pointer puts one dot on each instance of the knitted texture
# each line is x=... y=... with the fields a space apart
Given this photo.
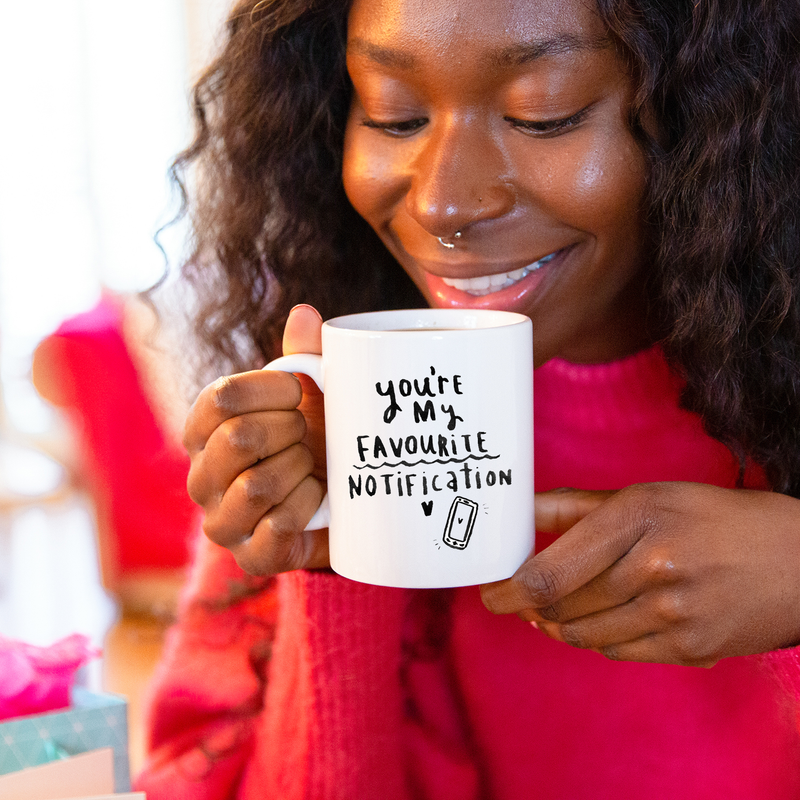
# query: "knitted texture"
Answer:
x=405 y=695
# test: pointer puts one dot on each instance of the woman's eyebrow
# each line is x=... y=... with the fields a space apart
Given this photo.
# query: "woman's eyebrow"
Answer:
x=516 y=55
x=386 y=56
x=511 y=56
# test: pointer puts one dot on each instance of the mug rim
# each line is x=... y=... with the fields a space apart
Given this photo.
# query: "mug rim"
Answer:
x=453 y=321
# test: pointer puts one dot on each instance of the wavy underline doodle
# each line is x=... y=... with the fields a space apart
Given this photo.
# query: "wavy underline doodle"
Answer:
x=422 y=461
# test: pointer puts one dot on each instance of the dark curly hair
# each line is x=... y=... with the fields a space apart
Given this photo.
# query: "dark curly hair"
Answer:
x=716 y=111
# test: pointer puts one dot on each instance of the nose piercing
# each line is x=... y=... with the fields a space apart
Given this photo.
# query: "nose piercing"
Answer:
x=449 y=245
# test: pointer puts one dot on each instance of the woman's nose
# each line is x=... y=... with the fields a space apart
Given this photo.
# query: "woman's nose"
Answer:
x=458 y=178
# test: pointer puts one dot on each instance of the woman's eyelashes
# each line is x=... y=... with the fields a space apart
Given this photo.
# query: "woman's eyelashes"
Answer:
x=533 y=127
x=548 y=127
x=396 y=128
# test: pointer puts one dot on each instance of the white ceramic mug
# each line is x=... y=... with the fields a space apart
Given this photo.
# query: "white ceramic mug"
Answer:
x=429 y=436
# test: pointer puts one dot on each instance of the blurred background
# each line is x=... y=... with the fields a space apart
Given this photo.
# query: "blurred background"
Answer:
x=96 y=106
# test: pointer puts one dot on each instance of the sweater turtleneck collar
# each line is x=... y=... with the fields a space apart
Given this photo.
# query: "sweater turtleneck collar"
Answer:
x=625 y=394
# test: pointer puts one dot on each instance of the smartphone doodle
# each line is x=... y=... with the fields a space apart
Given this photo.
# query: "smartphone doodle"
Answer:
x=460 y=522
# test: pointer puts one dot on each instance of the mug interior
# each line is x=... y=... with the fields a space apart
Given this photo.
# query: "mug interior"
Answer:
x=427 y=319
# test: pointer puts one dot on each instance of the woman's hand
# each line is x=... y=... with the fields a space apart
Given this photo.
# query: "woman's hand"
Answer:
x=677 y=573
x=257 y=447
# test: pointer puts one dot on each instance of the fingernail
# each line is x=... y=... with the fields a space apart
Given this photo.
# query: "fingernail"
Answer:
x=306 y=305
x=535 y=624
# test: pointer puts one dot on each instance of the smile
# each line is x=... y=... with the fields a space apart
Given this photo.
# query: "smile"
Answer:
x=486 y=284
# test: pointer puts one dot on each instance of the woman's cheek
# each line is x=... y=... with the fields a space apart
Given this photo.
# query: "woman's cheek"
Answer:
x=600 y=187
x=354 y=170
x=367 y=180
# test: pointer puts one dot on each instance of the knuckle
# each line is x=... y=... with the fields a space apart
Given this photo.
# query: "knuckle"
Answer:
x=644 y=503
x=217 y=533
x=636 y=494
x=254 y=561
x=611 y=652
x=241 y=436
x=286 y=551
x=259 y=490
x=691 y=647
x=188 y=437
x=683 y=648
x=225 y=395
x=265 y=554
x=193 y=486
x=574 y=636
x=670 y=607
x=550 y=613
x=283 y=528
x=660 y=567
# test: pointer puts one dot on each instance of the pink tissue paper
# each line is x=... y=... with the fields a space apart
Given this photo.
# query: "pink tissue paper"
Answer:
x=34 y=679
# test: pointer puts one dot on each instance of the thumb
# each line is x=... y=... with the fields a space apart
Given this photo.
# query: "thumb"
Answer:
x=303 y=331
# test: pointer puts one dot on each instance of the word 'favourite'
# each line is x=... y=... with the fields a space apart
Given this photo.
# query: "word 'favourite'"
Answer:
x=436 y=445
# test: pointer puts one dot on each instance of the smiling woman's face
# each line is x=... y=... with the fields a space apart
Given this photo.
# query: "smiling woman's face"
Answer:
x=504 y=120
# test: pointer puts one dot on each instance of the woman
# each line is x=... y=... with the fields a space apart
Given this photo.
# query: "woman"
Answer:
x=625 y=176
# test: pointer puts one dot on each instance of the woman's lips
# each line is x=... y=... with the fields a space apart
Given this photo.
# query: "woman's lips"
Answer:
x=502 y=291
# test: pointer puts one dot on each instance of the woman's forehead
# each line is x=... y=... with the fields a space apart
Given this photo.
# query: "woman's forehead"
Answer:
x=499 y=23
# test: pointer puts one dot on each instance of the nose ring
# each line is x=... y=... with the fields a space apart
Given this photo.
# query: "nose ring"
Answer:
x=449 y=245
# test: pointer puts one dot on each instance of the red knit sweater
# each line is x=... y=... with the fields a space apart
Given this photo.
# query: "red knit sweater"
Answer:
x=317 y=687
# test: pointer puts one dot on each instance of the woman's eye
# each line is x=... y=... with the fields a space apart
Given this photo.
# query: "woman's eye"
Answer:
x=396 y=127
x=548 y=127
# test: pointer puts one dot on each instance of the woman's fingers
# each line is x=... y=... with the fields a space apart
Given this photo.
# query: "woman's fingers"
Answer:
x=237 y=445
x=603 y=629
x=680 y=573
x=649 y=628
x=279 y=542
x=651 y=649
x=587 y=549
x=234 y=396
x=615 y=586
x=558 y=510
x=256 y=442
x=254 y=492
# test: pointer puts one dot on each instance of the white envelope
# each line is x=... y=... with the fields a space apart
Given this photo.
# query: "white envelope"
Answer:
x=88 y=776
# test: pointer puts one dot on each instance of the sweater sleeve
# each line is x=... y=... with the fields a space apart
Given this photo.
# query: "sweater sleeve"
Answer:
x=355 y=707
x=334 y=704
x=307 y=687
x=208 y=689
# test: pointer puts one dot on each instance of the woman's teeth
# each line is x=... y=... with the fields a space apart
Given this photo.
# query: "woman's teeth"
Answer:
x=486 y=284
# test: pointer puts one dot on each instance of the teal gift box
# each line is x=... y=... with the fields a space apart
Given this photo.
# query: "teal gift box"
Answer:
x=91 y=722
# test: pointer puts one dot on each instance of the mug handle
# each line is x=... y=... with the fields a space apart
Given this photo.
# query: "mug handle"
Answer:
x=311 y=365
